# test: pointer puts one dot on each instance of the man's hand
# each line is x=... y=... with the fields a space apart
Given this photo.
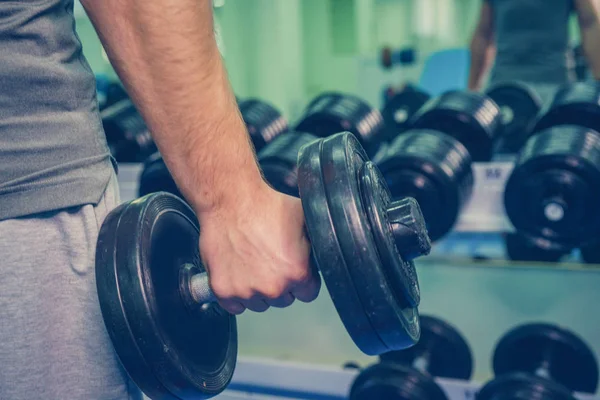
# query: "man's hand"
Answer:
x=257 y=253
x=589 y=24
x=482 y=47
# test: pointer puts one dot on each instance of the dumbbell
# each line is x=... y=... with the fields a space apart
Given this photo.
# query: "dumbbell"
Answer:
x=115 y=92
x=126 y=133
x=519 y=105
x=433 y=161
x=408 y=374
x=542 y=362
x=524 y=247
x=155 y=177
x=581 y=64
x=278 y=161
x=333 y=112
x=263 y=122
x=400 y=108
x=390 y=57
x=159 y=310
x=590 y=252
x=471 y=118
x=552 y=194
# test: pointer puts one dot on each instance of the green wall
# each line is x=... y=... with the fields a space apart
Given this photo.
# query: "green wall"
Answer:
x=288 y=51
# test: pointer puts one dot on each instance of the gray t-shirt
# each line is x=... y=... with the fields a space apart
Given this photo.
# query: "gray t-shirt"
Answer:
x=532 y=41
x=53 y=151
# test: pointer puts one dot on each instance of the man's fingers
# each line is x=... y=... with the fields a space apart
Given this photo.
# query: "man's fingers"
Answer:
x=232 y=306
x=256 y=304
x=308 y=291
x=286 y=300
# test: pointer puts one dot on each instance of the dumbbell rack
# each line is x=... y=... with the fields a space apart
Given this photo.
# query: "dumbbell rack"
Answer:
x=269 y=380
x=484 y=213
x=483 y=217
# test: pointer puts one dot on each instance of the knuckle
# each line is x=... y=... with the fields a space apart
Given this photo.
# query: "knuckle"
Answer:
x=300 y=274
x=221 y=289
x=273 y=291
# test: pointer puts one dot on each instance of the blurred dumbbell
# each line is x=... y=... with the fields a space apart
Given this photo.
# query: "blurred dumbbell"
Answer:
x=263 y=121
x=551 y=196
x=574 y=104
x=264 y=124
x=155 y=177
x=433 y=162
x=409 y=374
x=332 y=112
x=519 y=105
x=471 y=118
x=391 y=57
x=542 y=362
x=115 y=92
x=523 y=247
x=109 y=92
x=590 y=251
x=126 y=133
x=581 y=63
x=400 y=108
x=278 y=161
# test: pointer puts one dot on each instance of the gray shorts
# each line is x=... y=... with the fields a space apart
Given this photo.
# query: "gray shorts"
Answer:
x=53 y=343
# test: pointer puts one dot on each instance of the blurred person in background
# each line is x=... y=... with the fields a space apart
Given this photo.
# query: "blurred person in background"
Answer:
x=528 y=41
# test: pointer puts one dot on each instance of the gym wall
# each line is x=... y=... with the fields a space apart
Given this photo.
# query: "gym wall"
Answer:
x=287 y=52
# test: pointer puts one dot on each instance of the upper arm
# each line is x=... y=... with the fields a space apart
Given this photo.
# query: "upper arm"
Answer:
x=485 y=25
x=587 y=12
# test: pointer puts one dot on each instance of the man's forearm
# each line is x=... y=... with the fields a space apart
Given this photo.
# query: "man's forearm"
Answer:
x=590 y=36
x=482 y=54
x=588 y=14
x=166 y=55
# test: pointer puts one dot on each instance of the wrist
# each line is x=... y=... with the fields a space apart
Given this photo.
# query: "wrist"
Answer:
x=235 y=195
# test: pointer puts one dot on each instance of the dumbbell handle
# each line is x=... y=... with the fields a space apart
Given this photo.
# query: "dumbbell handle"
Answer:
x=200 y=290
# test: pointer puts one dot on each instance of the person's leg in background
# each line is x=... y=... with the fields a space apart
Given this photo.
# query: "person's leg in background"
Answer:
x=53 y=343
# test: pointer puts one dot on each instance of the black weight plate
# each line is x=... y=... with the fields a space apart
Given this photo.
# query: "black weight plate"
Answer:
x=169 y=349
x=334 y=112
x=399 y=110
x=590 y=252
x=441 y=351
x=554 y=189
x=433 y=168
x=581 y=63
x=565 y=357
x=519 y=386
x=394 y=382
x=278 y=161
x=575 y=103
x=312 y=179
x=522 y=247
x=393 y=314
x=328 y=181
x=519 y=106
x=126 y=132
x=114 y=93
x=398 y=230
x=155 y=177
x=471 y=118
x=263 y=121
